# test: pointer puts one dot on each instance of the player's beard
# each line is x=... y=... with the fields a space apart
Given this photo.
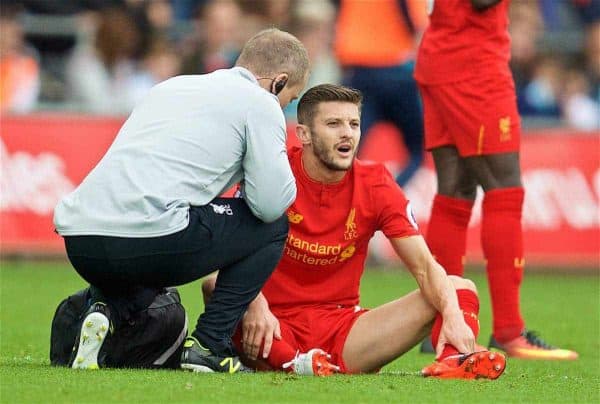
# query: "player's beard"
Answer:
x=327 y=157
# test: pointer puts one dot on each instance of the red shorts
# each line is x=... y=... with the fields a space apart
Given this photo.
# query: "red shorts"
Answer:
x=325 y=327
x=477 y=116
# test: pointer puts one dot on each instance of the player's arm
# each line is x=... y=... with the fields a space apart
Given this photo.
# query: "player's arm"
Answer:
x=482 y=5
x=258 y=323
x=437 y=289
x=269 y=185
x=398 y=224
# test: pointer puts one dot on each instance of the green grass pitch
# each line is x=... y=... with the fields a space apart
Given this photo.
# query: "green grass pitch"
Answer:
x=565 y=308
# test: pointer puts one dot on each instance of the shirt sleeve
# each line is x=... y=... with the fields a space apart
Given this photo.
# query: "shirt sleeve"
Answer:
x=395 y=217
x=269 y=185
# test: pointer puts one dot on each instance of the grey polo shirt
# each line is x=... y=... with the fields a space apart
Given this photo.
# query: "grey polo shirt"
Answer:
x=189 y=140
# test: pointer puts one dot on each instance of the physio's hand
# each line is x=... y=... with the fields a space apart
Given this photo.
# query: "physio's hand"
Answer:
x=259 y=325
x=457 y=333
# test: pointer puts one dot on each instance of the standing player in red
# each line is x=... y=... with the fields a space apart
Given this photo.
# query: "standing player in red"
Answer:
x=310 y=303
x=473 y=130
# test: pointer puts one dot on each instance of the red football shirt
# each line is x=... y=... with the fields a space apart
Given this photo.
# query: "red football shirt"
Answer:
x=461 y=42
x=330 y=229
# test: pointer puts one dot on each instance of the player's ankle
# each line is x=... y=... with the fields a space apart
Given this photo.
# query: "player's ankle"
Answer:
x=506 y=334
x=449 y=350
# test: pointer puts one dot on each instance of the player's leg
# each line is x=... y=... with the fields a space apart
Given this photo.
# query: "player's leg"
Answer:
x=502 y=238
x=383 y=334
x=492 y=157
x=290 y=353
x=502 y=243
x=456 y=188
x=482 y=118
x=451 y=210
x=494 y=163
x=452 y=364
x=282 y=350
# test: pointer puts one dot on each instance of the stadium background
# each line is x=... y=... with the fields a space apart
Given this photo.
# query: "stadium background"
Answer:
x=72 y=71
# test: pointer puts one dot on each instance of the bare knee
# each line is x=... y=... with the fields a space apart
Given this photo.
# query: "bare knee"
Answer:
x=453 y=177
x=462 y=283
x=494 y=171
x=208 y=286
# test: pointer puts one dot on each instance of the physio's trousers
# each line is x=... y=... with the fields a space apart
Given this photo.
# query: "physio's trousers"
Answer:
x=223 y=235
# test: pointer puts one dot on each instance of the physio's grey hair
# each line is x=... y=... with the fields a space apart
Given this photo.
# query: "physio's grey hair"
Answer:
x=273 y=51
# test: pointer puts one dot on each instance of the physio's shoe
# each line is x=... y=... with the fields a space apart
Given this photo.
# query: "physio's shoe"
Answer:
x=529 y=345
x=95 y=328
x=476 y=365
x=199 y=359
x=312 y=363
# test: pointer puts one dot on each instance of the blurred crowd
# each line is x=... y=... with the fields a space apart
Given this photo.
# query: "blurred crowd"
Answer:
x=556 y=60
x=102 y=56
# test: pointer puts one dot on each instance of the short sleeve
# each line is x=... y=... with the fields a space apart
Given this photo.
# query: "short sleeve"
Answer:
x=394 y=212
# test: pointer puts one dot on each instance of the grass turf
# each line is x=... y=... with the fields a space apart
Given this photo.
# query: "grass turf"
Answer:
x=565 y=308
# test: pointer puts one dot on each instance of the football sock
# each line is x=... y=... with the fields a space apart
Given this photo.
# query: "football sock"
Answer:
x=502 y=244
x=447 y=232
x=281 y=352
x=469 y=304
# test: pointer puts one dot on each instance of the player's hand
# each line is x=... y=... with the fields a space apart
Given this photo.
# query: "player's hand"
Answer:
x=259 y=325
x=457 y=333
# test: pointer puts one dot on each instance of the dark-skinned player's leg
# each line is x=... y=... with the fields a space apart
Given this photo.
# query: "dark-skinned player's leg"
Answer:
x=450 y=214
x=502 y=237
x=451 y=210
x=502 y=243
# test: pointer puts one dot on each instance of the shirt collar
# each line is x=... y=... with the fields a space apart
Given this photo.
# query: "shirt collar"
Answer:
x=247 y=74
x=242 y=71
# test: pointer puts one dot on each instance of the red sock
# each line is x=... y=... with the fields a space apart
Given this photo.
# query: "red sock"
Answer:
x=469 y=304
x=502 y=244
x=447 y=232
x=282 y=351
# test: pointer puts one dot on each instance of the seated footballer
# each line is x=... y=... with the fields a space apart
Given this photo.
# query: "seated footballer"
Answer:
x=307 y=319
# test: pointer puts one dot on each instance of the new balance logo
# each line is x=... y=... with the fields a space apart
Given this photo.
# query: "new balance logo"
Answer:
x=233 y=367
x=222 y=209
x=294 y=217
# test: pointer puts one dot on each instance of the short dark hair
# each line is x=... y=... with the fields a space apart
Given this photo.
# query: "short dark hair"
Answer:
x=307 y=107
